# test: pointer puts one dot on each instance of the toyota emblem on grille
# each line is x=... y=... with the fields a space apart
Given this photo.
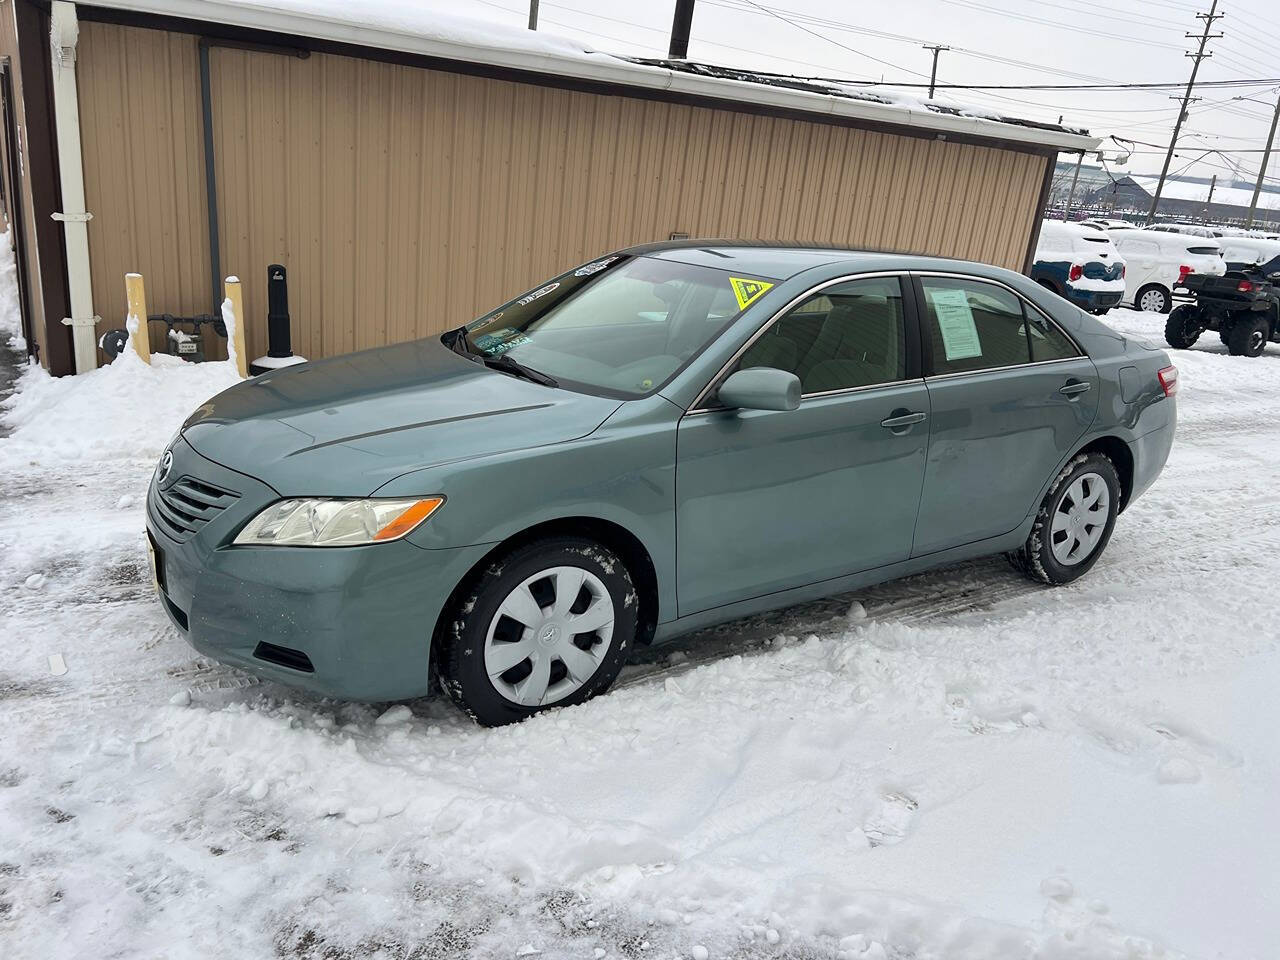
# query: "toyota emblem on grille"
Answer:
x=166 y=464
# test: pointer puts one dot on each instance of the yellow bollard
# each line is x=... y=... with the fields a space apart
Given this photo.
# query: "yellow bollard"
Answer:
x=136 y=323
x=233 y=317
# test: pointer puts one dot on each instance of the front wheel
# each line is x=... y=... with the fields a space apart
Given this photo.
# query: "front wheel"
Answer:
x=1074 y=522
x=547 y=625
x=1153 y=298
x=1183 y=328
x=1248 y=337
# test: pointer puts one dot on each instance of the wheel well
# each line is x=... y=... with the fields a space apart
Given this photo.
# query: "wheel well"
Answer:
x=1049 y=285
x=614 y=536
x=1118 y=452
x=1156 y=286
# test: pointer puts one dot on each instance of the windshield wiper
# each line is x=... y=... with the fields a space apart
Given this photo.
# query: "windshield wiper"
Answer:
x=460 y=342
x=509 y=364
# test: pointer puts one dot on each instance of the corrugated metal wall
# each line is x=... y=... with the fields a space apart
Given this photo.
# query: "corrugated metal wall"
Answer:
x=405 y=201
x=143 y=170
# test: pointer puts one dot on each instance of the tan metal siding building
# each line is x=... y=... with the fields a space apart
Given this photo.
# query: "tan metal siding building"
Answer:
x=408 y=197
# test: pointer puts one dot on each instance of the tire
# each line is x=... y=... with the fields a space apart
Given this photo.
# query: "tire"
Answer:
x=527 y=583
x=1153 y=298
x=1183 y=328
x=1059 y=550
x=1049 y=285
x=1248 y=337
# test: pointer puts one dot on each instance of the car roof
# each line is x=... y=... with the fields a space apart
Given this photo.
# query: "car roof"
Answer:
x=781 y=261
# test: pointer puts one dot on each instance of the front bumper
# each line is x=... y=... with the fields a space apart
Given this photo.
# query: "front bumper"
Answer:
x=362 y=616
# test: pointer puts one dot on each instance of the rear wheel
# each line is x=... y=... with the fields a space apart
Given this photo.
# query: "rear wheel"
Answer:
x=1248 y=337
x=547 y=625
x=1074 y=522
x=1153 y=298
x=1183 y=328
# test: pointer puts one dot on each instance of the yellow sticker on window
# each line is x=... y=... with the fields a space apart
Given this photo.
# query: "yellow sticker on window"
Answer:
x=748 y=291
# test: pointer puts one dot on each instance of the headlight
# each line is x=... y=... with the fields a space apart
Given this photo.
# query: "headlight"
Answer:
x=324 y=522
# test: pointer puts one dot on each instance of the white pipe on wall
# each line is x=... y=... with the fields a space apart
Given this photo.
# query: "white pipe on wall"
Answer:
x=64 y=32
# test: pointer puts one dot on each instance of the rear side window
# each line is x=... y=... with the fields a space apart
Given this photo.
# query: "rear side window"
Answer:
x=1047 y=341
x=973 y=325
x=1204 y=251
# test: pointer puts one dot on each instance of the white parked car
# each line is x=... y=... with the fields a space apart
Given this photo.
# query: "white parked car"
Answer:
x=1193 y=229
x=1241 y=252
x=1102 y=223
x=1156 y=261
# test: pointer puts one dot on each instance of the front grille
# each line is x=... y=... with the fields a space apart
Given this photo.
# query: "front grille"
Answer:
x=188 y=505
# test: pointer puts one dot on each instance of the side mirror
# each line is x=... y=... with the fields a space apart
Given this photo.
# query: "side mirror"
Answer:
x=761 y=388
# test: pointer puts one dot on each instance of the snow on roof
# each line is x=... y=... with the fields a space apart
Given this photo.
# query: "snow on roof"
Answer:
x=407 y=26
x=1184 y=190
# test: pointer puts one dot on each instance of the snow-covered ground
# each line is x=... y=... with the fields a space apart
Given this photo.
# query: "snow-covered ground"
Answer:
x=958 y=765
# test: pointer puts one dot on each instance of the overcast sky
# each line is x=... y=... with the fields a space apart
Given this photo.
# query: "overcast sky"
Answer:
x=1050 y=42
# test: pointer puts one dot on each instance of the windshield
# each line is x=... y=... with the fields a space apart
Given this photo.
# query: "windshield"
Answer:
x=622 y=325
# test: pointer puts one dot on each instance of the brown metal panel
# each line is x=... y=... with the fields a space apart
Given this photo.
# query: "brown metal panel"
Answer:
x=406 y=200
x=143 y=166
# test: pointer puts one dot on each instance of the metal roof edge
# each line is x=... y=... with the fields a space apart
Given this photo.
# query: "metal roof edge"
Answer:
x=601 y=67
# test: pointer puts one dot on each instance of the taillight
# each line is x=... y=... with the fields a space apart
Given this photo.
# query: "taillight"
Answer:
x=1076 y=272
x=1183 y=271
x=1244 y=286
x=1123 y=268
x=1169 y=380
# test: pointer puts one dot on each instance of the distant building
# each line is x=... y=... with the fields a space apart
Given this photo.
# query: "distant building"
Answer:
x=1184 y=198
x=1092 y=178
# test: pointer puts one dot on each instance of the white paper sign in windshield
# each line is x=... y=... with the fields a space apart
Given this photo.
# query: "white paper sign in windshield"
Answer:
x=955 y=323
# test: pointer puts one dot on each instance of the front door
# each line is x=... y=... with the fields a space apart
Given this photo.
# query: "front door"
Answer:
x=769 y=500
x=1010 y=396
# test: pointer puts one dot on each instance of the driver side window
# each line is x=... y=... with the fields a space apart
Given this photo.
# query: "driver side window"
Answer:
x=849 y=335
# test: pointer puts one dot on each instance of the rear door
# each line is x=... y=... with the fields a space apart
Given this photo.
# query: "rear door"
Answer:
x=1010 y=394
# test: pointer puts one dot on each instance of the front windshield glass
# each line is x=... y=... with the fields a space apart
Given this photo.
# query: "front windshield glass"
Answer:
x=621 y=325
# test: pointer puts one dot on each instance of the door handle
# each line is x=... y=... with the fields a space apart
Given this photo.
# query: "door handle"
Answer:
x=1073 y=388
x=899 y=420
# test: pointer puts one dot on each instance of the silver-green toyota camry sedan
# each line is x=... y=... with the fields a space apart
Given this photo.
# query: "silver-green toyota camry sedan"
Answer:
x=667 y=437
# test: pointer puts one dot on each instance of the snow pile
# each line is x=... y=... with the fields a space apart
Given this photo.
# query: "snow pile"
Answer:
x=10 y=306
x=126 y=409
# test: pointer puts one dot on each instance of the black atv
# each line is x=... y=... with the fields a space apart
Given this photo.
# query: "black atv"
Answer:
x=1242 y=305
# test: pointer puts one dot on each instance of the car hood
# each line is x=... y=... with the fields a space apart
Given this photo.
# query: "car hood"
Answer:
x=346 y=425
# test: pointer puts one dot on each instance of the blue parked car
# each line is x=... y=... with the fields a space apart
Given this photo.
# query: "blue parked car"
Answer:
x=1079 y=263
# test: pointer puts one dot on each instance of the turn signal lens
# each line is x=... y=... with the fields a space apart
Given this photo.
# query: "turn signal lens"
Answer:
x=409 y=519
x=1168 y=380
x=326 y=522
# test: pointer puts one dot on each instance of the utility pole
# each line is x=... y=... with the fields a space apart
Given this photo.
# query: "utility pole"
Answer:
x=937 y=48
x=533 y=14
x=1262 y=171
x=1213 y=182
x=1066 y=213
x=680 y=28
x=1209 y=19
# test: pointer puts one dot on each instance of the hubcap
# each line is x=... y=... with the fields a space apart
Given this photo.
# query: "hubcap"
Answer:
x=549 y=636
x=1256 y=340
x=1152 y=301
x=1080 y=519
